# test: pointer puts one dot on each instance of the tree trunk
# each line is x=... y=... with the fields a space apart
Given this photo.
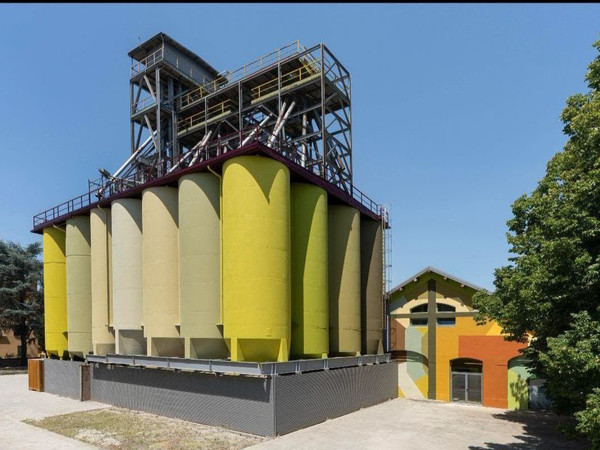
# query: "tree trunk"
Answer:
x=24 y=335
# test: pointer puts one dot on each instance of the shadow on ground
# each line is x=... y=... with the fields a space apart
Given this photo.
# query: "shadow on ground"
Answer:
x=541 y=430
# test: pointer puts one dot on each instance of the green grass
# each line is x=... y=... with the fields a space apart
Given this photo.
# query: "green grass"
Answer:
x=115 y=428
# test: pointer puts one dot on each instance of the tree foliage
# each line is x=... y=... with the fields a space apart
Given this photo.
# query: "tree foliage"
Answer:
x=21 y=297
x=551 y=287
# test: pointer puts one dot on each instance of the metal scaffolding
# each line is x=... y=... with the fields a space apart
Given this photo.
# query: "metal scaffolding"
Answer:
x=294 y=98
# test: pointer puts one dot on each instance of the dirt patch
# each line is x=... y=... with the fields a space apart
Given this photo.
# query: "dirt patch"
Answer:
x=116 y=428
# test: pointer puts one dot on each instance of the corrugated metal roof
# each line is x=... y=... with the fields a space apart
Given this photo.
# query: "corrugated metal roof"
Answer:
x=436 y=271
x=142 y=50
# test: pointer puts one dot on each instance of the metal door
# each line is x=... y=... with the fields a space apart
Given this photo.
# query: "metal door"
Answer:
x=466 y=387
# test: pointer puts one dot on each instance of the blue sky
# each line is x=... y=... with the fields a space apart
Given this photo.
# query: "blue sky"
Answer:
x=455 y=107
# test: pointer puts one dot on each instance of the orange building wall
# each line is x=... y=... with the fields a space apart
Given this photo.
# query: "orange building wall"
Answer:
x=495 y=352
x=9 y=345
x=483 y=342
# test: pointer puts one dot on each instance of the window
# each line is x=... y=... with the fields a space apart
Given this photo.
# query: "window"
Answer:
x=419 y=322
x=446 y=321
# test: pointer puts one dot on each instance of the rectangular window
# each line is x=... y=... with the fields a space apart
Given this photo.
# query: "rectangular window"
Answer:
x=418 y=322
x=446 y=321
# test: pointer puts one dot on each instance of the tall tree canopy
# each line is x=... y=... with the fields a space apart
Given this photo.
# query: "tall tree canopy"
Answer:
x=21 y=297
x=551 y=288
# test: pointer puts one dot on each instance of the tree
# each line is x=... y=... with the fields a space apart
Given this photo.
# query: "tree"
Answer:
x=551 y=287
x=21 y=297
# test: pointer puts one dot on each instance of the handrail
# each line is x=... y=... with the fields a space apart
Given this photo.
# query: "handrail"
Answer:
x=242 y=71
x=286 y=79
x=148 y=61
x=204 y=114
x=217 y=147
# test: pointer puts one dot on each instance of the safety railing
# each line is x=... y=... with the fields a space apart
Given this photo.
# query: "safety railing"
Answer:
x=296 y=75
x=242 y=72
x=148 y=61
x=226 y=144
x=204 y=115
x=239 y=367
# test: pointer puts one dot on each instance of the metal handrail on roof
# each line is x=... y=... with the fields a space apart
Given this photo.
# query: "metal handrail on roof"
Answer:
x=148 y=61
x=241 y=72
x=239 y=367
x=216 y=147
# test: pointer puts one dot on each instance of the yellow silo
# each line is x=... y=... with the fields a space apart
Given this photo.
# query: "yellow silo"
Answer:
x=344 y=280
x=55 y=292
x=161 y=275
x=256 y=258
x=103 y=339
x=310 y=317
x=128 y=310
x=79 y=286
x=371 y=264
x=200 y=266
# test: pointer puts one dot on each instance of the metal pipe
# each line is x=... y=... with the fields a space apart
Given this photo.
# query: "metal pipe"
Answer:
x=133 y=155
x=280 y=125
x=253 y=132
x=202 y=144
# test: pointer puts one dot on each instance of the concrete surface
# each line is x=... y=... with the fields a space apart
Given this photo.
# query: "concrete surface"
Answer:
x=17 y=402
x=412 y=424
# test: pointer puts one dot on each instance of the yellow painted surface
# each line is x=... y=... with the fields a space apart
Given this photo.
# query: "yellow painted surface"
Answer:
x=447 y=350
x=103 y=339
x=199 y=266
x=127 y=249
x=79 y=286
x=160 y=271
x=371 y=264
x=55 y=291
x=344 y=280
x=256 y=258
x=310 y=304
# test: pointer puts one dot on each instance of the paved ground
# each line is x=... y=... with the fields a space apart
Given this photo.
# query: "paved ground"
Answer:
x=411 y=424
x=17 y=402
x=400 y=423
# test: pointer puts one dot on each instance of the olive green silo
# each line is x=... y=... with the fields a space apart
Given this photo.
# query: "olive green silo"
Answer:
x=160 y=271
x=79 y=286
x=103 y=339
x=344 y=280
x=371 y=264
x=127 y=261
x=200 y=266
x=310 y=304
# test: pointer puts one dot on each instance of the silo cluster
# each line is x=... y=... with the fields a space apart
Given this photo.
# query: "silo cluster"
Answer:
x=247 y=264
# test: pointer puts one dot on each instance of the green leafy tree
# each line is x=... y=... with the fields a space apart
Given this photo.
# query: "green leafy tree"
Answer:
x=21 y=297
x=554 y=269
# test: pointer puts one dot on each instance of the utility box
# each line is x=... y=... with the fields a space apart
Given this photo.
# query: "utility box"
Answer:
x=35 y=368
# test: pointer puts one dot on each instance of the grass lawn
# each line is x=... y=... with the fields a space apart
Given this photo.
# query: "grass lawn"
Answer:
x=116 y=428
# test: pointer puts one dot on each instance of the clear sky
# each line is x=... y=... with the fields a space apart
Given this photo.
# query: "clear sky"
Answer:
x=455 y=107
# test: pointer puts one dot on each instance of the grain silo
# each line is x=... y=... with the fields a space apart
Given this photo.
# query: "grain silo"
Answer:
x=55 y=291
x=127 y=260
x=103 y=337
x=309 y=270
x=79 y=286
x=256 y=258
x=233 y=229
x=200 y=265
x=161 y=271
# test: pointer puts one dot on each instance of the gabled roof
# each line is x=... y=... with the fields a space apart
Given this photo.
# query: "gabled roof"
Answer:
x=441 y=273
x=142 y=50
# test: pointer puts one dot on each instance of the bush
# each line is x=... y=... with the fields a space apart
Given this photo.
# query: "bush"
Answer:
x=588 y=420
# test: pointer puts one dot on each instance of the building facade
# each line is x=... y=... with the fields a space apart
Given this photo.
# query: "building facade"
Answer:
x=10 y=346
x=444 y=354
